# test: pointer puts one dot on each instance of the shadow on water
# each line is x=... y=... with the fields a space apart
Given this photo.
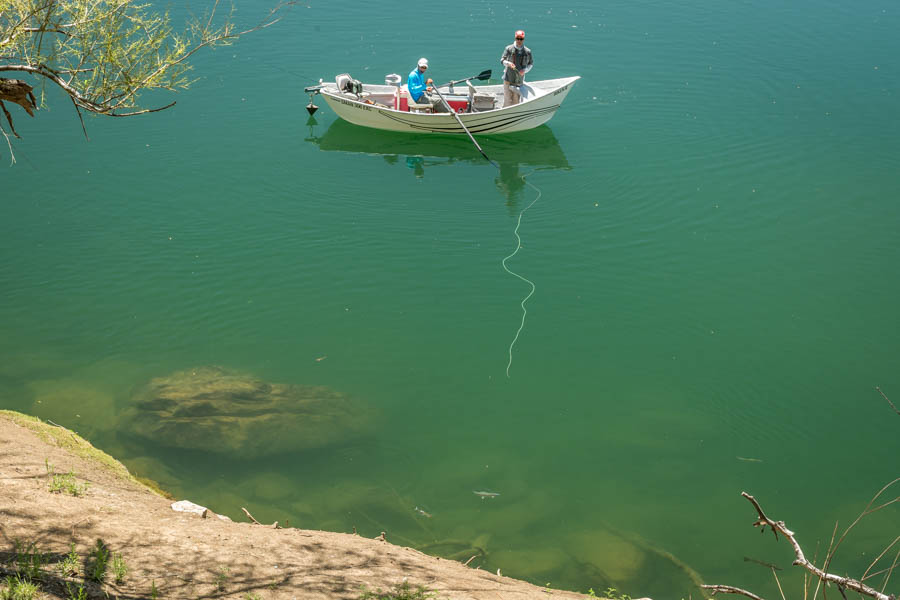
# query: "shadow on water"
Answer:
x=516 y=153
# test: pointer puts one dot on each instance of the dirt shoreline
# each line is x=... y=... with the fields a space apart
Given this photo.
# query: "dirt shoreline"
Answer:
x=183 y=555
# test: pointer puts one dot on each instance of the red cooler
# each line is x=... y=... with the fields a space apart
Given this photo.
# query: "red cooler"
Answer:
x=458 y=105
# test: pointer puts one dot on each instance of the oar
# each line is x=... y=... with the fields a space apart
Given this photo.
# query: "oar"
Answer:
x=486 y=74
x=458 y=120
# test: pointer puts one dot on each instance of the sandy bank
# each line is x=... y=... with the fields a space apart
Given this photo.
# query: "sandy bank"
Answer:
x=185 y=556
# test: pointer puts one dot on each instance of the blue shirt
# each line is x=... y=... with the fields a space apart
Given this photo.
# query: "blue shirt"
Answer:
x=415 y=83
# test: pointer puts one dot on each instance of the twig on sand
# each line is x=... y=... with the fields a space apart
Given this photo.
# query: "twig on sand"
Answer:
x=74 y=437
x=76 y=524
x=255 y=522
x=466 y=564
x=249 y=516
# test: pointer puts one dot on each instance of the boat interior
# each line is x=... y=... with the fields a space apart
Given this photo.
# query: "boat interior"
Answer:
x=462 y=97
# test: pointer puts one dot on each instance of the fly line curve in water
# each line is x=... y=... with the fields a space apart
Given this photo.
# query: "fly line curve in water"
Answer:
x=514 y=274
x=515 y=232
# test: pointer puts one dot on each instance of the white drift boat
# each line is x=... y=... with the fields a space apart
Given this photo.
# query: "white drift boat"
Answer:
x=480 y=108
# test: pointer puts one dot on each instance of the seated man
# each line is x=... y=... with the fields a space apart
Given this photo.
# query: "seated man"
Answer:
x=418 y=88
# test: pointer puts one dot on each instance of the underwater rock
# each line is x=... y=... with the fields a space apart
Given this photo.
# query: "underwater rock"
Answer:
x=215 y=410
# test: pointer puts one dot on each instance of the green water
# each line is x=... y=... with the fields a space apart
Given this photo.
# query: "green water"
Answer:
x=714 y=254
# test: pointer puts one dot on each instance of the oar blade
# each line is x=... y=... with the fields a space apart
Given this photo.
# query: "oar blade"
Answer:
x=480 y=77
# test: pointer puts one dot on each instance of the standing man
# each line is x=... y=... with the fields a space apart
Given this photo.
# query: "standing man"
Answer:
x=517 y=60
x=417 y=86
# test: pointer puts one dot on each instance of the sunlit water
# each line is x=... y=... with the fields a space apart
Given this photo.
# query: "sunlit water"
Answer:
x=714 y=253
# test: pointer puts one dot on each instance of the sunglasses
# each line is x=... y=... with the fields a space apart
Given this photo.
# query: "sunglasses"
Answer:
x=518 y=38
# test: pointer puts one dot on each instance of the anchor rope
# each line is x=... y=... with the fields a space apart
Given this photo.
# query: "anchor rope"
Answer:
x=514 y=274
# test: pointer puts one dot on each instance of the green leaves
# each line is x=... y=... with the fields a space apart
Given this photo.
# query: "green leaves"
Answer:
x=104 y=53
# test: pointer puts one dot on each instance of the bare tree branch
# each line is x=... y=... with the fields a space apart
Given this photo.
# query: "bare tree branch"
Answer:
x=778 y=581
x=9 y=120
x=729 y=589
x=866 y=511
x=800 y=558
x=80 y=118
x=12 y=155
x=866 y=575
x=144 y=111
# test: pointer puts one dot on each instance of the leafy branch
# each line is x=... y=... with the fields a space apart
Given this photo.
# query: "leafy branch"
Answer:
x=104 y=55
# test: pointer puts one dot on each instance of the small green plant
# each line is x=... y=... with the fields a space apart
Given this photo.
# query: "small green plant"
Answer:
x=120 y=569
x=221 y=577
x=19 y=588
x=250 y=596
x=98 y=561
x=614 y=594
x=611 y=593
x=75 y=592
x=154 y=593
x=401 y=591
x=68 y=566
x=29 y=560
x=64 y=482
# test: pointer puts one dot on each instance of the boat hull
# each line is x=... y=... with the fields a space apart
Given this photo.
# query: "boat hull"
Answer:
x=528 y=114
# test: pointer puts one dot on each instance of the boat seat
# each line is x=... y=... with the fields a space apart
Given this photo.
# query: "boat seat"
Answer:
x=479 y=101
x=413 y=105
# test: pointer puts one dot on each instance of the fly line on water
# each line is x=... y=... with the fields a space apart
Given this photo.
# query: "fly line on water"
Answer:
x=514 y=274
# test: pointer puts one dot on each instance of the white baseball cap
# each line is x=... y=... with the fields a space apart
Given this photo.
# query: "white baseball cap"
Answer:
x=423 y=62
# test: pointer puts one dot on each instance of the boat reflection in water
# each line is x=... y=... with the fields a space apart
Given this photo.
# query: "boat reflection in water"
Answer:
x=517 y=154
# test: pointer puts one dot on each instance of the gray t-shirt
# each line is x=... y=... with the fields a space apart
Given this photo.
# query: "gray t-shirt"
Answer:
x=522 y=59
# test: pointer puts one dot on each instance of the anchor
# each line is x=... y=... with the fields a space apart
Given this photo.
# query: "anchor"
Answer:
x=311 y=108
x=312 y=90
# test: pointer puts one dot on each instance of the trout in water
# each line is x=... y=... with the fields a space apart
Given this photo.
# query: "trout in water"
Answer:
x=484 y=495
